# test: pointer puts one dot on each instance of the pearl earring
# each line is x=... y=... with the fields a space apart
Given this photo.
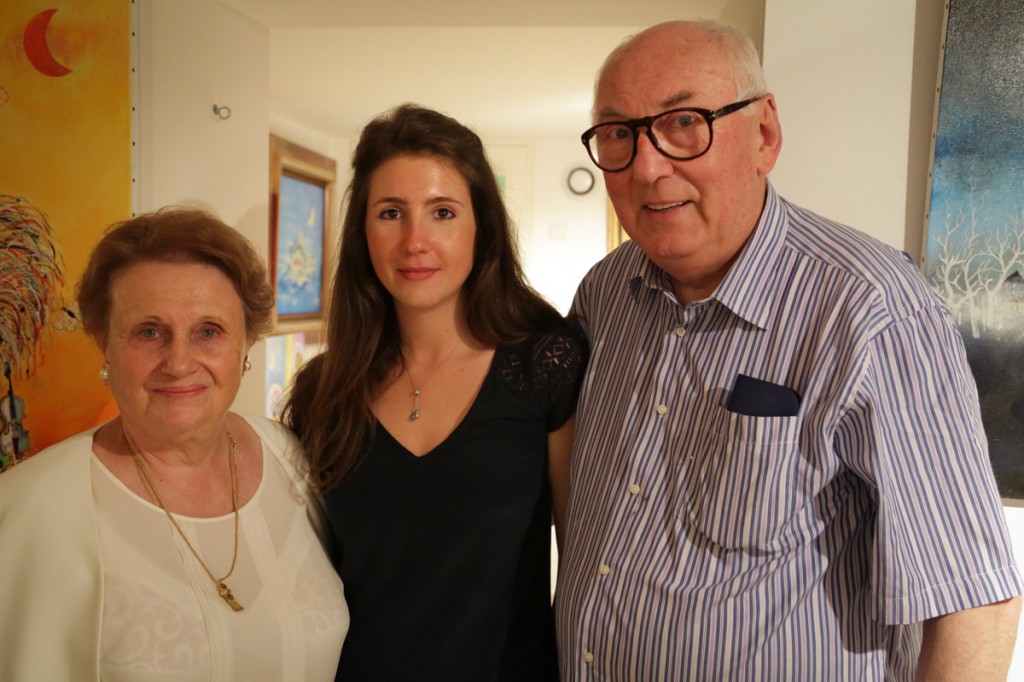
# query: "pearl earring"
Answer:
x=105 y=373
x=248 y=365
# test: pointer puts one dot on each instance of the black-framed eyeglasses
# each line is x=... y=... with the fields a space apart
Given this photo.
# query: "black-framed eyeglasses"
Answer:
x=680 y=134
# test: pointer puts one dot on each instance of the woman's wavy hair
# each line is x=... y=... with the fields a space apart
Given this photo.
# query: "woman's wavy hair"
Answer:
x=176 y=234
x=328 y=406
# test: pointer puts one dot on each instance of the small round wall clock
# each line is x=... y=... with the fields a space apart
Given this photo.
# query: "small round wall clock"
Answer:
x=580 y=180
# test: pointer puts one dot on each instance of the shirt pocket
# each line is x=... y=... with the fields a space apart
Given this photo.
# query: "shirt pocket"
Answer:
x=748 y=481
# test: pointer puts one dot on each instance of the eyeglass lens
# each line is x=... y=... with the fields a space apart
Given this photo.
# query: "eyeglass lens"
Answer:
x=681 y=134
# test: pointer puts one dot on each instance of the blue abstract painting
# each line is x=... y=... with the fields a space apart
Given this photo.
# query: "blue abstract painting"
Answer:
x=300 y=247
x=974 y=254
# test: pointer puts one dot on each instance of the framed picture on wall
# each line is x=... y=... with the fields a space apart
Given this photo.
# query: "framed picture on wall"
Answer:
x=301 y=192
x=616 y=235
x=974 y=249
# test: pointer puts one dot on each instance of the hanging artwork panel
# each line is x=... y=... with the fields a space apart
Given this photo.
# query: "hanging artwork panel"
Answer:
x=302 y=185
x=65 y=136
x=974 y=251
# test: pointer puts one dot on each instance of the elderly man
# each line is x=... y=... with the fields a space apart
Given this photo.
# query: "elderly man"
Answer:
x=780 y=471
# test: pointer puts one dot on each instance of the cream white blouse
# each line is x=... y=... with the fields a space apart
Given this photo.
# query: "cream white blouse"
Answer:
x=162 y=617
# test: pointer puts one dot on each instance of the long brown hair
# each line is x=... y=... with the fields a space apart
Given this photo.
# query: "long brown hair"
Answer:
x=329 y=404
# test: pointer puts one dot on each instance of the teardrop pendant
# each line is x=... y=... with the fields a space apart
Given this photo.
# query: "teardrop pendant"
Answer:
x=415 y=405
x=415 y=414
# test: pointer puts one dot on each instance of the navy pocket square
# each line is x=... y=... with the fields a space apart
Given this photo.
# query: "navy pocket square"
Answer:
x=758 y=398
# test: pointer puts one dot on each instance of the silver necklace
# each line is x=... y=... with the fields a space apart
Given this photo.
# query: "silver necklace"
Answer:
x=415 y=414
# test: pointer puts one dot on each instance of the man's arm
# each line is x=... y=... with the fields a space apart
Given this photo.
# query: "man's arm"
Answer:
x=976 y=644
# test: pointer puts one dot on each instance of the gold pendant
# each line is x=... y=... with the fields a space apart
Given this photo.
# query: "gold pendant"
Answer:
x=225 y=594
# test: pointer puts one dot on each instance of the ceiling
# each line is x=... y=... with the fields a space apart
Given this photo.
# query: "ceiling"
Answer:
x=520 y=68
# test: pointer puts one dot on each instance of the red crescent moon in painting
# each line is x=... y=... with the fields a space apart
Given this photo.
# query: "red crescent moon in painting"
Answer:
x=36 y=49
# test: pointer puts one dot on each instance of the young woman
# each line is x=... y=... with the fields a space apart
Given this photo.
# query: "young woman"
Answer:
x=438 y=422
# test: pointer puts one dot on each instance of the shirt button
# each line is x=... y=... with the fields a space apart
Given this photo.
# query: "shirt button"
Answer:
x=634 y=489
x=680 y=331
x=661 y=409
x=588 y=657
x=604 y=569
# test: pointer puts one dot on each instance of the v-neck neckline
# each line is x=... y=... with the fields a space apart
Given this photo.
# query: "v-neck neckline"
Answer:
x=488 y=376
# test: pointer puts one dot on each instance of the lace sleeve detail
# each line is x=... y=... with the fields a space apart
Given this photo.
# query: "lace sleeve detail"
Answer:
x=549 y=368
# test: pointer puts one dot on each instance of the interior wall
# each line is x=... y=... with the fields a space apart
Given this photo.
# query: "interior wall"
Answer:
x=194 y=54
x=566 y=233
x=842 y=73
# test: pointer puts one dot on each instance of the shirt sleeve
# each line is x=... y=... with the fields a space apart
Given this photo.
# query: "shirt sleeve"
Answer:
x=915 y=433
x=578 y=310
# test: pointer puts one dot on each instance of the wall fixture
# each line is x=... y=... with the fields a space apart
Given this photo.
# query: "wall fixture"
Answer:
x=580 y=180
x=221 y=112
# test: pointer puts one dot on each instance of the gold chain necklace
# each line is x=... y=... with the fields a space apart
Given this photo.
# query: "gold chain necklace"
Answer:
x=415 y=414
x=223 y=590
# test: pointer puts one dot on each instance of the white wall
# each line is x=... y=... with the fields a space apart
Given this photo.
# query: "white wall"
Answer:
x=568 y=232
x=560 y=234
x=855 y=84
x=194 y=54
x=841 y=73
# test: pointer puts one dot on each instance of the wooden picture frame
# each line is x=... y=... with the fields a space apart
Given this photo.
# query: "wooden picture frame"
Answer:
x=616 y=235
x=302 y=185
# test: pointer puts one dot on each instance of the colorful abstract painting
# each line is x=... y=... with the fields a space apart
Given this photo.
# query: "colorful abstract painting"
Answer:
x=286 y=353
x=300 y=246
x=974 y=254
x=65 y=174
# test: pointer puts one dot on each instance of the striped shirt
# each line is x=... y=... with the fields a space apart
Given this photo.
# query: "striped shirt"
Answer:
x=704 y=544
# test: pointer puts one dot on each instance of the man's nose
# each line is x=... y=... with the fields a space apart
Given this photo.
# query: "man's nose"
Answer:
x=649 y=163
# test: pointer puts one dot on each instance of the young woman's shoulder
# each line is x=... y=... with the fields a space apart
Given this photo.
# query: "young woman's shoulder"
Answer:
x=549 y=367
x=561 y=343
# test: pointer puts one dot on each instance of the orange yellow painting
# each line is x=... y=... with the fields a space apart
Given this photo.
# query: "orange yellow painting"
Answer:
x=65 y=174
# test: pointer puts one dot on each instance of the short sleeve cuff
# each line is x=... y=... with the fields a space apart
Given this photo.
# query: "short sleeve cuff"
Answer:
x=974 y=591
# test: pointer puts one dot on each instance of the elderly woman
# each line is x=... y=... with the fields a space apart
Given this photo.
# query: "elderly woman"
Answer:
x=174 y=542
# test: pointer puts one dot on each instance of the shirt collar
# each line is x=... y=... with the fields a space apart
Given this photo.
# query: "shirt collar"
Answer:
x=750 y=288
x=647 y=275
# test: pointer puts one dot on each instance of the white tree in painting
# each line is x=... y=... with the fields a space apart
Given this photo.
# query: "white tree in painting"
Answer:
x=974 y=263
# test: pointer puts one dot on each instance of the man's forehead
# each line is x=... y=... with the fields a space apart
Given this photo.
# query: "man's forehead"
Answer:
x=632 y=93
x=664 y=70
x=612 y=110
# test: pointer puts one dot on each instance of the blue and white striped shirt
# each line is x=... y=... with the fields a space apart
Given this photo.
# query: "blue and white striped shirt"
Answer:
x=704 y=544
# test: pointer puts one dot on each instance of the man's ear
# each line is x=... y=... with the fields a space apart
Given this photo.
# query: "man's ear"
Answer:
x=770 y=133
